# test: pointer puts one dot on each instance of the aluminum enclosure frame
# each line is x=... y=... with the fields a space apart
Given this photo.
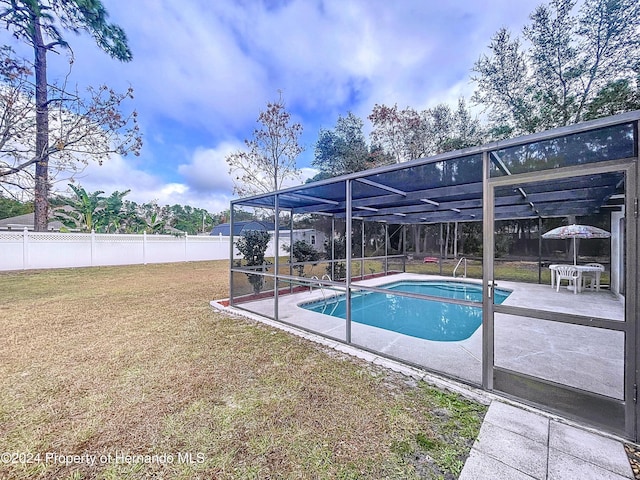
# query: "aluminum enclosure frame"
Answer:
x=479 y=198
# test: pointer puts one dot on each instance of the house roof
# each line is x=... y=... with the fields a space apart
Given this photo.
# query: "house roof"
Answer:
x=239 y=227
x=27 y=220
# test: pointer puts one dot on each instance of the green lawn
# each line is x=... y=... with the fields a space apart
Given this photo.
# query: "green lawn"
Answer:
x=512 y=270
x=132 y=366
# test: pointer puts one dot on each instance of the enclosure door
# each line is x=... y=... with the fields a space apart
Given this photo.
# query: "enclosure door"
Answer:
x=571 y=353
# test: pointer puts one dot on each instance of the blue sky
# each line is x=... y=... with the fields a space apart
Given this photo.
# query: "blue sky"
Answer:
x=203 y=69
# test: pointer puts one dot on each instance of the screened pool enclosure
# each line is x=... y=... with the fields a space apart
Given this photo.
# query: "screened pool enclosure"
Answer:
x=473 y=216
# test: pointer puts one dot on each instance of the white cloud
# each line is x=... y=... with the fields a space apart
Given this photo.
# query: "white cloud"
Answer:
x=305 y=174
x=121 y=174
x=117 y=173
x=308 y=173
x=173 y=189
x=206 y=181
x=208 y=170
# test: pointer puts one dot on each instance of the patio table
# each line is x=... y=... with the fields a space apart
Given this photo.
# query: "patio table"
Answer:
x=590 y=269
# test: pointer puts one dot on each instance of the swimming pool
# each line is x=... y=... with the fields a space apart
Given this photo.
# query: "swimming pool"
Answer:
x=426 y=319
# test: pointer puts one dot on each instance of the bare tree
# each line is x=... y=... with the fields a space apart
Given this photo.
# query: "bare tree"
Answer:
x=400 y=133
x=81 y=127
x=271 y=156
x=16 y=123
x=38 y=24
x=408 y=134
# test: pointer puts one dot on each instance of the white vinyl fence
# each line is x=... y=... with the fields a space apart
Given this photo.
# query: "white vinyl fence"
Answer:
x=34 y=250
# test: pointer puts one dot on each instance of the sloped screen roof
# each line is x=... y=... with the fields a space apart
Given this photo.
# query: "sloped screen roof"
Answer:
x=449 y=187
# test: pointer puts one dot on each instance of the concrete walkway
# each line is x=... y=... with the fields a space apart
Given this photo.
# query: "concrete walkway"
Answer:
x=516 y=444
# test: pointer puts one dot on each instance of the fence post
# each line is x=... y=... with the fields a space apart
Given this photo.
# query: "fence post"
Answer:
x=93 y=247
x=144 y=248
x=186 y=236
x=25 y=248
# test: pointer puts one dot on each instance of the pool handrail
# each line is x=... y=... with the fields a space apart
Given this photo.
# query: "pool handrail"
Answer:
x=315 y=277
x=465 y=267
x=326 y=276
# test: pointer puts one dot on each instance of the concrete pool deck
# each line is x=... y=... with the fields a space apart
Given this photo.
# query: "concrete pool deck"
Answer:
x=584 y=357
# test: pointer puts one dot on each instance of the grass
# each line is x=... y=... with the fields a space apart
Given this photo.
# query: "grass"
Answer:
x=510 y=270
x=130 y=364
x=504 y=269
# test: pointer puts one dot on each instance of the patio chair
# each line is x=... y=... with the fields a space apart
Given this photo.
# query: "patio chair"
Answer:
x=592 y=279
x=569 y=273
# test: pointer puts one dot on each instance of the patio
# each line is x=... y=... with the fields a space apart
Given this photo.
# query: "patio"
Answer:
x=587 y=358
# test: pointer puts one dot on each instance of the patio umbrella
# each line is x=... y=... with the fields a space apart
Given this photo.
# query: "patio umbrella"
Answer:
x=576 y=231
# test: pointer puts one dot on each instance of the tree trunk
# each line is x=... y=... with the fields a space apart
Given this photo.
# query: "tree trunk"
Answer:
x=425 y=238
x=446 y=242
x=455 y=241
x=41 y=200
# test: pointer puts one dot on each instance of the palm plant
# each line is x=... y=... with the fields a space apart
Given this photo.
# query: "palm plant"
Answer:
x=154 y=224
x=110 y=219
x=79 y=212
x=152 y=217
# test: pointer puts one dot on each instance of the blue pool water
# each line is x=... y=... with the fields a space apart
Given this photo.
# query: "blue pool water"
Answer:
x=426 y=319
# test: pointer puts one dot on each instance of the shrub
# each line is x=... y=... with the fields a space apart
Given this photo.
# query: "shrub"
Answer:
x=253 y=245
x=340 y=249
x=302 y=252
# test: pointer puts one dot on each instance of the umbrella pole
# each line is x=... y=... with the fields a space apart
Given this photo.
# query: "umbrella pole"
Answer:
x=539 y=249
x=575 y=254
